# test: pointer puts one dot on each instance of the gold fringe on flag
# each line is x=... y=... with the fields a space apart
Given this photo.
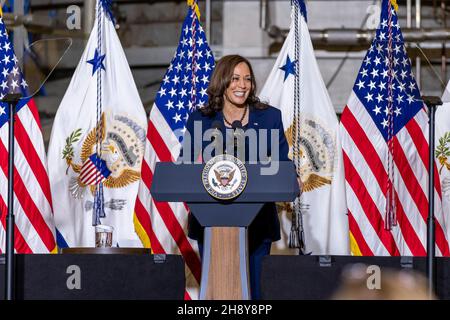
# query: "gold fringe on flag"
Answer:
x=354 y=248
x=394 y=3
x=145 y=239
x=192 y=3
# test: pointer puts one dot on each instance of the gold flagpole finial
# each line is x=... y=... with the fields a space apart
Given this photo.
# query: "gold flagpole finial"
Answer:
x=394 y=3
x=193 y=3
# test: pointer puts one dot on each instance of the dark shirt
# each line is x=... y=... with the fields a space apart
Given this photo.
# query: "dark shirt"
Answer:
x=266 y=225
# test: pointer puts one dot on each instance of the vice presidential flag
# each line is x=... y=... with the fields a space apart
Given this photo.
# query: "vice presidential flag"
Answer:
x=34 y=225
x=161 y=225
x=385 y=130
x=98 y=141
x=442 y=151
x=295 y=82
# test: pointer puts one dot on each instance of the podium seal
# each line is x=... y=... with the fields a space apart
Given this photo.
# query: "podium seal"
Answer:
x=224 y=177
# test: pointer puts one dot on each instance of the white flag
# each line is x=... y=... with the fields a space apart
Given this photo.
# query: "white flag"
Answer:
x=442 y=147
x=80 y=155
x=323 y=201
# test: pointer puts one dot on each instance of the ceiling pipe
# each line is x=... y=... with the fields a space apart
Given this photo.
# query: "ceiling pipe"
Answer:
x=361 y=37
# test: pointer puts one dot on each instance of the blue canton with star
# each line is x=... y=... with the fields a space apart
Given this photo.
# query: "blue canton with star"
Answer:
x=371 y=85
x=174 y=98
x=11 y=79
x=289 y=68
x=97 y=61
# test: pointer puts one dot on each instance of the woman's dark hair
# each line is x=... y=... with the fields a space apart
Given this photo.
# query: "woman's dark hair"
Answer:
x=220 y=80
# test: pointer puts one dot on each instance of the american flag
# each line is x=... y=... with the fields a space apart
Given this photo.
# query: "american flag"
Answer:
x=183 y=89
x=385 y=118
x=35 y=229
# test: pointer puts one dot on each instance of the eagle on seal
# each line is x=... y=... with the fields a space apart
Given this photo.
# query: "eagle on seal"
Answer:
x=224 y=177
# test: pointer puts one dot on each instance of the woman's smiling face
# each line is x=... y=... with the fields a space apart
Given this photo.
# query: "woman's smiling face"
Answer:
x=240 y=85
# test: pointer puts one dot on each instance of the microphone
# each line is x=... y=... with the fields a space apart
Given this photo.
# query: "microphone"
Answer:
x=216 y=125
x=238 y=133
x=236 y=125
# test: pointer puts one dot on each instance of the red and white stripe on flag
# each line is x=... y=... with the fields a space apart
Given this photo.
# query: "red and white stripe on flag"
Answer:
x=34 y=225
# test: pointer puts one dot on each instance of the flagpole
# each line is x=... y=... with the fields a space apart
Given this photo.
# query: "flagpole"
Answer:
x=208 y=19
x=12 y=100
x=432 y=103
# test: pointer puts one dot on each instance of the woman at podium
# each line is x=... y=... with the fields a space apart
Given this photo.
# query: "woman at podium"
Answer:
x=233 y=104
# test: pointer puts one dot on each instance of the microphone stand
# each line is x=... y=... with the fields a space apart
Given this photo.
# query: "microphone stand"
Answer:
x=11 y=99
x=217 y=138
x=432 y=103
x=238 y=144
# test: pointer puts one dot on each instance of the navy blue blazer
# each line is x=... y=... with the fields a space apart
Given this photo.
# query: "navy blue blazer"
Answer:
x=266 y=224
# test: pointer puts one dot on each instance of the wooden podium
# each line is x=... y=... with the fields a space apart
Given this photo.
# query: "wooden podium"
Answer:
x=225 y=249
x=225 y=274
